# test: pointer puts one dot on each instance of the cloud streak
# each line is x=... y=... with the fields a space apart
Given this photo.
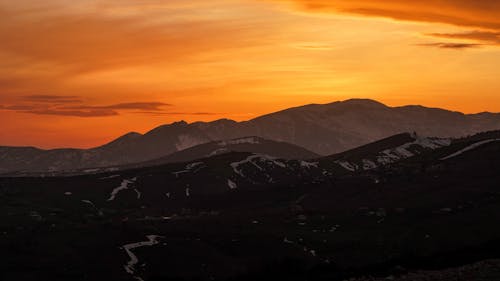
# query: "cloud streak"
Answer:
x=84 y=110
x=93 y=41
x=53 y=99
x=178 y=113
x=489 y=37
x=72 y=113
x=151 y=106
x=456 y=46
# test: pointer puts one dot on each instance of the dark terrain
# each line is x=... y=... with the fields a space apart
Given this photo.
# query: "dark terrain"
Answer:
x=430 y=214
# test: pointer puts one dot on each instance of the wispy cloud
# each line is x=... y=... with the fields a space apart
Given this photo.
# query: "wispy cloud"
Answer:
x=113 y=38
x=178 y=113
x=73 y=113
x=314 y=47
x=457 y=46
x=18 y=107
x=151 y=106
x=490 y=37
x=52 y=105
x=53 y=99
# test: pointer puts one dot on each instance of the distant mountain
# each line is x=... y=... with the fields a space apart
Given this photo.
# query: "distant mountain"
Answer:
x=323 y=129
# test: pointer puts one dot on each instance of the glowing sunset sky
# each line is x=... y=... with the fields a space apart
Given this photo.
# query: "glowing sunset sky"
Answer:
x=80 y=73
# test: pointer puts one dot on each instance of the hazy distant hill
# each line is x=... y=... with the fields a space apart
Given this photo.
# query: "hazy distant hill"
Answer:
x=323 y=129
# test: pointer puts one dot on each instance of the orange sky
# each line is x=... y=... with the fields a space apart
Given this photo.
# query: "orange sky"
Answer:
x=80 y=73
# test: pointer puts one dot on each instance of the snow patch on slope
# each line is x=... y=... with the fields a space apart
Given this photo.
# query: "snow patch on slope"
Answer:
x=250 y=140
x=309 y=165
x=218 y=151
x=187 y=141
x=348 y=166
x=395 y=154
x=469 y=148
x=123 y=186
x=134 y=260
x=255 y=160
x=192 y=167
x=369 y=164
x=389 y=156
x=231 y=184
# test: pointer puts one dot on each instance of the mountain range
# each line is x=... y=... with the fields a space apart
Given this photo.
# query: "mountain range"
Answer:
x=315 y=129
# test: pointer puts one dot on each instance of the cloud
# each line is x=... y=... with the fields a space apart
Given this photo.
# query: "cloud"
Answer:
x=74 y=113
x=18 y=107
x=485 y=36
x=456 y=46
x=151 y=106
x=314 y=47
x=98 y=40
x=482 y=14
x=178 y=113
x=471 y=13
x=84 y=110
x=53 y=99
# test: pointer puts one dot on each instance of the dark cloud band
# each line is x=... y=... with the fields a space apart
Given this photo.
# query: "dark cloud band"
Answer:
x=83 y=110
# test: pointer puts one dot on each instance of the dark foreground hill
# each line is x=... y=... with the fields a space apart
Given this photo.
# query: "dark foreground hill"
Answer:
x=324 y=129
x=241 y=216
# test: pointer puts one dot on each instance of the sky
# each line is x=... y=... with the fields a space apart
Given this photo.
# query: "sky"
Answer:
x=80 y=73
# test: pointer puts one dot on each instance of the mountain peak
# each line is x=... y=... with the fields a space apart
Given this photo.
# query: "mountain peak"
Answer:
x=123 y=139
x=131 y=135
x=128 y=136
x=362 y=102
x=179 y=123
